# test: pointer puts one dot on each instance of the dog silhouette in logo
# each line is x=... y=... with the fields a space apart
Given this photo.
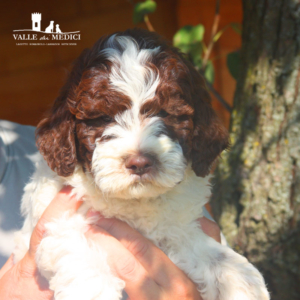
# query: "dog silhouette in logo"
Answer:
x=57 y=29
x=49 y=29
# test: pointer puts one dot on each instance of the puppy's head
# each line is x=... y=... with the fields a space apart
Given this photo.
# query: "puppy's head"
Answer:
x=133 y=113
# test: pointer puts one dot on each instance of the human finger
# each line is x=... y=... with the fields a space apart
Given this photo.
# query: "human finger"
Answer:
x=157 y=264
x=138 y=283
x=7 y=266
x=210 y=228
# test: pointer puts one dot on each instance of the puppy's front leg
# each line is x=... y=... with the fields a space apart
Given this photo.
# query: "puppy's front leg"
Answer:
x=219 y=272
x=75 y=268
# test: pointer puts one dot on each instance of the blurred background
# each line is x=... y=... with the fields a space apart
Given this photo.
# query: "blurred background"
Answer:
x=31 y=76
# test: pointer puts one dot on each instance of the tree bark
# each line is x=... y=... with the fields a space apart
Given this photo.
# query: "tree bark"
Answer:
x=256 y=194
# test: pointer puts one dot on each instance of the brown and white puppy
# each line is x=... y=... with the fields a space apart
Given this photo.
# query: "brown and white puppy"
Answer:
x=134 y=133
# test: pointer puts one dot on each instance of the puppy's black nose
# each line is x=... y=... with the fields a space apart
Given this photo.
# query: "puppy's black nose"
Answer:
x=138 y=164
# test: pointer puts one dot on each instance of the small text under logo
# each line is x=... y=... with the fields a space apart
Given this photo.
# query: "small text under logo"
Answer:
x=52 y=36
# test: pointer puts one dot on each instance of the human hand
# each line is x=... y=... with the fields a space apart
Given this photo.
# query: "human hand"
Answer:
x=23 y=281
x=211 y=229
x=148 y=273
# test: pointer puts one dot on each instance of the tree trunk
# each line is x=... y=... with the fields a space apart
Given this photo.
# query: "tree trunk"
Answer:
x=257 y=183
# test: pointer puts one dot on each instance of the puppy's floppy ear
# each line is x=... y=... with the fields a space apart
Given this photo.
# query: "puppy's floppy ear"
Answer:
x=55 y=134
x=210 y=137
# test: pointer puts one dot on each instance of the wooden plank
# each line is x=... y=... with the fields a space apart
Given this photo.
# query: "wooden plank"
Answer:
x=27 y=95
x=14 y=57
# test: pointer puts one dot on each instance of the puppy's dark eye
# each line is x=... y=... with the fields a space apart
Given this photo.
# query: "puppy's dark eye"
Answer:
x=107 y=119
x=107 y=138
x=100 y=121
x=162 y=114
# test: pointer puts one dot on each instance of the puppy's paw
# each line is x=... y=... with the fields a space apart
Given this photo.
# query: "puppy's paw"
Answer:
x=93 y=289
x=236 y=279
x=75 y=267
x=246 y=283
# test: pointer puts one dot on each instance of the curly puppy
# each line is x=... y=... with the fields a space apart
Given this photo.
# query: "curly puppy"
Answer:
x=134 y=133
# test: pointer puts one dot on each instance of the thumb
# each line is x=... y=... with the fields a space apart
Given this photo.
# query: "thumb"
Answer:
x=7 y=266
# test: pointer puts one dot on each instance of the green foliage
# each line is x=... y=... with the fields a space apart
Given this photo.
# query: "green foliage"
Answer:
x=209 y=72
x=143 y=8
x=189 y=39
x=233 y=63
